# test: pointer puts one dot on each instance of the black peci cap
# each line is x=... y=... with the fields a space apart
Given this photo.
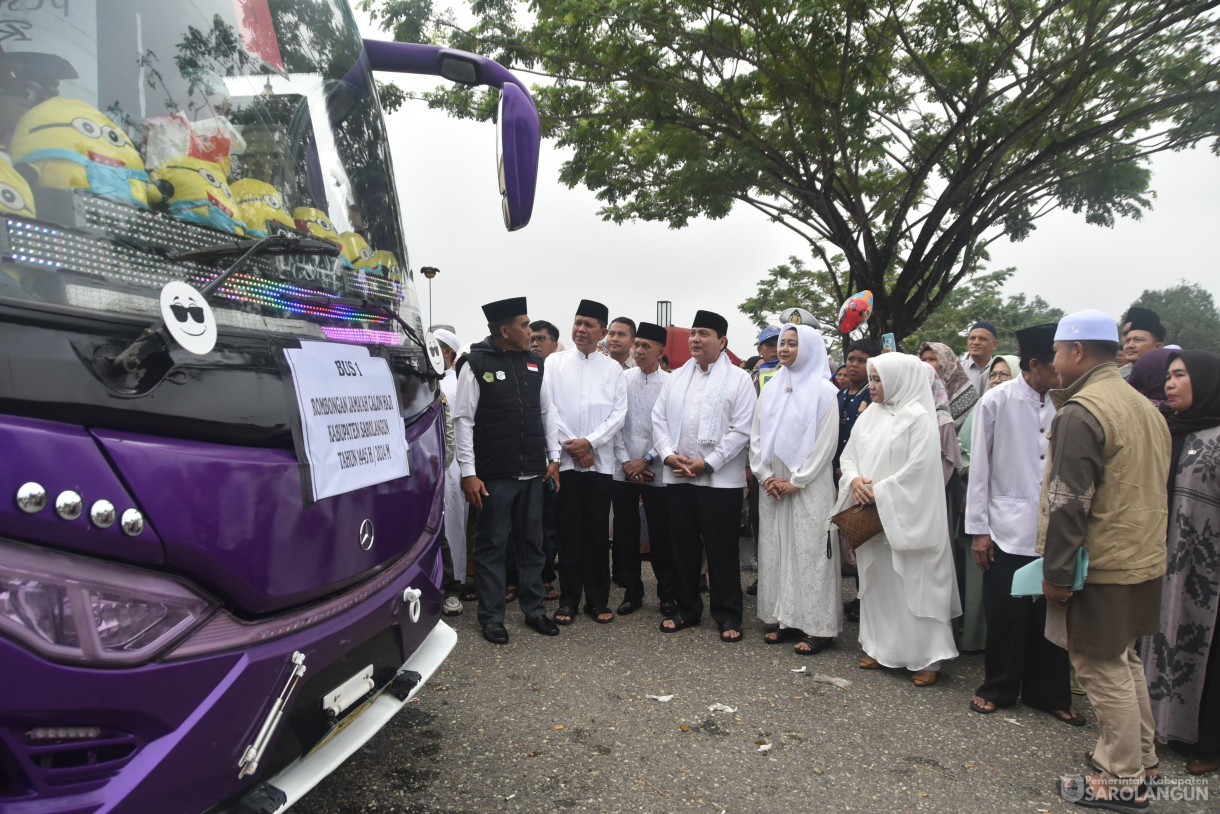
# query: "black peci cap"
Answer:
x=505 y=309
x=651 y=332
x=594 y=310
x=1144 y=319
x=710 y=319
x=1036 y=340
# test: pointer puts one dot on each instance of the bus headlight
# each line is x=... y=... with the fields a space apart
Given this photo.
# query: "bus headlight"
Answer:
x=75 y=609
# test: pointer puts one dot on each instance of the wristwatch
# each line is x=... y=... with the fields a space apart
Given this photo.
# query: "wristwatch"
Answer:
x=649 y=458
x=553 y=461
x=708 y=469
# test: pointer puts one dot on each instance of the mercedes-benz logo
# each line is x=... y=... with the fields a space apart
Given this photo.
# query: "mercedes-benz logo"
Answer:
x=366 y=534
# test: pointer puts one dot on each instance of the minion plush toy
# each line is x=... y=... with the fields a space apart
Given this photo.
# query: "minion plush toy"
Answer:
x=316 y=222
x=66 y=144
x=16 y=198
x=389 y=265
x=259 y=204
x=198 y=192
x=357 y=251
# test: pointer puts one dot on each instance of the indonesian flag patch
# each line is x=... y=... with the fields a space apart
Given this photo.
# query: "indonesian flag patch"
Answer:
x=531 y=367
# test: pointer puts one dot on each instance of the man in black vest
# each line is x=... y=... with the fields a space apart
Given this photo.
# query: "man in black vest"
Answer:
x=506 y=448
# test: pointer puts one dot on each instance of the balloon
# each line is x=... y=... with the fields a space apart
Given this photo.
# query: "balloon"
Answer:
x=855 y=311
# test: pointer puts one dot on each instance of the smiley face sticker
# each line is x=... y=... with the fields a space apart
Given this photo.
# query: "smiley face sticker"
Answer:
x=188 y=317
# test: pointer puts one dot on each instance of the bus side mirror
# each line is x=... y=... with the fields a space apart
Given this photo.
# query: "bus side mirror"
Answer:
x=517 y=141
x=518 y=131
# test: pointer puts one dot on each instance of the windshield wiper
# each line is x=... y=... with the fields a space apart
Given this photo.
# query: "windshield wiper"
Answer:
x=152 y=339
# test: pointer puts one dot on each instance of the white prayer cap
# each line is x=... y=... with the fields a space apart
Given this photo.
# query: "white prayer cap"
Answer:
x=449 y=338
x=1087 y=325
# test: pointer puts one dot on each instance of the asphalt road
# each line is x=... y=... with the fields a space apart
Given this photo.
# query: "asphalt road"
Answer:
x=564 y=724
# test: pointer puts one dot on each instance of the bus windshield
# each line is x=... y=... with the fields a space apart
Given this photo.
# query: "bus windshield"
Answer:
x=143 y=130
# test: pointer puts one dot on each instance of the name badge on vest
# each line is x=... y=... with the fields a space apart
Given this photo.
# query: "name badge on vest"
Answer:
x=489 y=377
x=500 y=375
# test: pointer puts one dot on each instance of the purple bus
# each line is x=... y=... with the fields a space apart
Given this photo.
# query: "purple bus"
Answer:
x=221 y=437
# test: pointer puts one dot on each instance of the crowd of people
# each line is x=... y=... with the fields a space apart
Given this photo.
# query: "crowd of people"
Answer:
x=1092 y=458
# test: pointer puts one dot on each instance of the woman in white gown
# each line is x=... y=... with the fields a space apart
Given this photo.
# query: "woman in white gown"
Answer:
x=908 y=592
x=792 y=443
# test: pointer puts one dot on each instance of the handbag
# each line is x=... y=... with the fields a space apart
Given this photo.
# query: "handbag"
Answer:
x=859 y=523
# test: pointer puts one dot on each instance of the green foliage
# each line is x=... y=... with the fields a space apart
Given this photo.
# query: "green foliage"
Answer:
x=1188 y=312
x=903 y=137
x=980 y=298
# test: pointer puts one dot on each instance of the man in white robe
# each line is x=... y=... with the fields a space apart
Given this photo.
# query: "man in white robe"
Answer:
x=456 y=508
x=701 y=427
x=589 y=396
x=639 y=478
x=1007 y=460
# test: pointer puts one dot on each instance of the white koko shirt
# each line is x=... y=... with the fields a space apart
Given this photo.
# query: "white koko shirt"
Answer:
x=729 y=453
x=589 y=396
x=1007 y=458
x=635 y=438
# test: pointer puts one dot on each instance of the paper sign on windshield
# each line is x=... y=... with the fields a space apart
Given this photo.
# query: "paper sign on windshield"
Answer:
x=353 y=435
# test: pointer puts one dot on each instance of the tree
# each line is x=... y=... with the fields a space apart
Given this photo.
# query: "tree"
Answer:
x=795 y=283
x=904 y=136
x=1188 y=313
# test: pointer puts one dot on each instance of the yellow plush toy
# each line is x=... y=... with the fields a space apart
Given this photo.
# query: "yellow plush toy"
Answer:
x=316 y=222
x=357 y=251
x=66 y=144
x=259 y=204
x=389 y=265
x=198 y=192
x=15 y=195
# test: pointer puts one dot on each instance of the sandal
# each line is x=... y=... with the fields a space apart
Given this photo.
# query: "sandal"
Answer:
x=1149 y=779
x=975 y=706
x=469 y=594
x=551 y=593
x=1075 y=720
x=782 y=634
x=925 y=678
x=596 y=615
x=869 y=663
x=816 y=645
x=510 y=593
x=851 y=610
x=678 y=623
x=730 y=639
x=1203 y=764
x=565 y=616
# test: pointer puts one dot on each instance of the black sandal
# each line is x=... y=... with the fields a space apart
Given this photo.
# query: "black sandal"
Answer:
x=569 y=613
x=816 y=645
x=596 y=613
x=730 y=639
x=784 y=634
x=679 y=623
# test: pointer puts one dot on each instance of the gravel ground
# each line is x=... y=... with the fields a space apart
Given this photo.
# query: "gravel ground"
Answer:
x=565 y=724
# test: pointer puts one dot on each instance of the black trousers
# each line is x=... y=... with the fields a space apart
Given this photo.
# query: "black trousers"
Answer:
x=550 y=542
x=582 y=514
x=706 y=519
x=511 y=518
x=626 y=499
x=1019 y=662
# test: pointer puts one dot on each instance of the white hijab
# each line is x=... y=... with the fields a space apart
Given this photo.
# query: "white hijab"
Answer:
x=793 y=401
x=897 y=445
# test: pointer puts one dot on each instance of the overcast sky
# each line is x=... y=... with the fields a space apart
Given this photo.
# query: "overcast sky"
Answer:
x=445 y=173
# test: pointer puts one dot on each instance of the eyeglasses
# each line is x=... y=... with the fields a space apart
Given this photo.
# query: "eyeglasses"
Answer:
x=999 y=375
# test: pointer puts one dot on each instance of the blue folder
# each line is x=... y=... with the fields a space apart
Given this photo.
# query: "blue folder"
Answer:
x=1027 y=580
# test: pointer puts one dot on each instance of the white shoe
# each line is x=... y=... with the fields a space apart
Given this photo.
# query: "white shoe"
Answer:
x=452 y=606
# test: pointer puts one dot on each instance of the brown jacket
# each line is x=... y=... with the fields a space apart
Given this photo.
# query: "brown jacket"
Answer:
x=1104 y=489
